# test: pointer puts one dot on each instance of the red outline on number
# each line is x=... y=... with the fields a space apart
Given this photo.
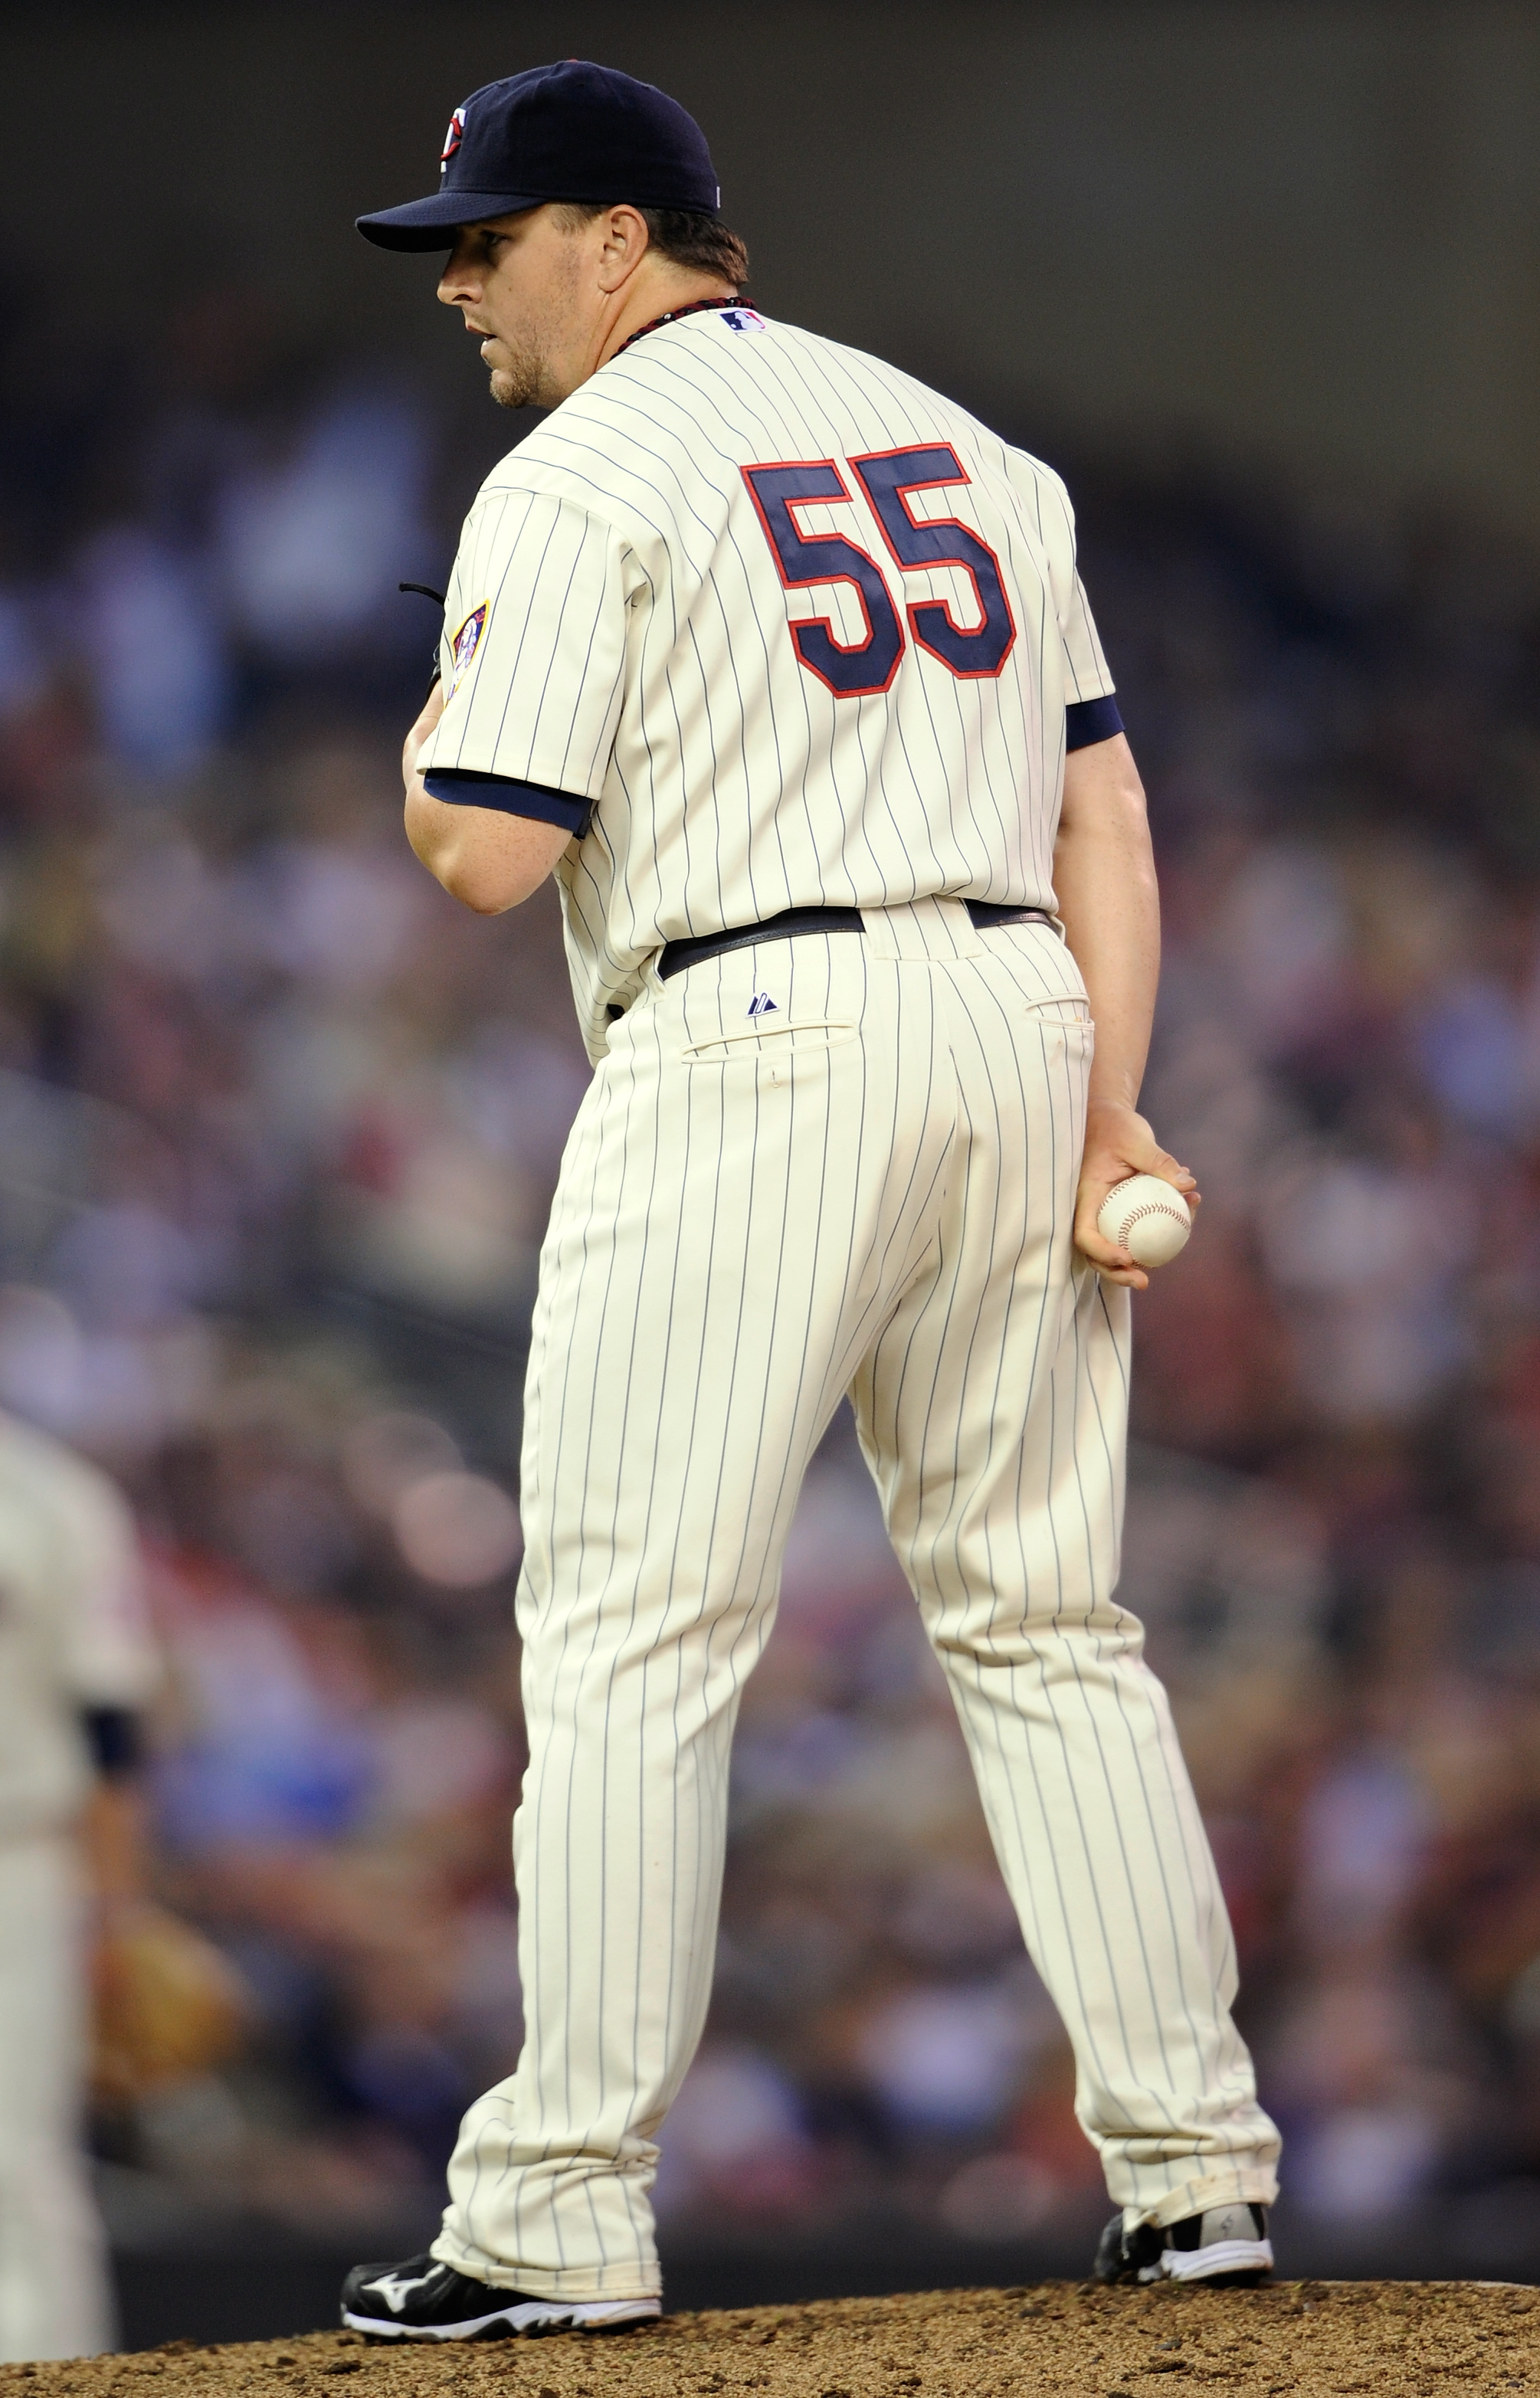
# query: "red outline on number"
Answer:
x=929 y=524
x=795 y=623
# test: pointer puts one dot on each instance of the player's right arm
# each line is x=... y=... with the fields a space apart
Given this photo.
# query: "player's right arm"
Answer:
x=484 y=857
x=1108 y=900
x=1104 y=879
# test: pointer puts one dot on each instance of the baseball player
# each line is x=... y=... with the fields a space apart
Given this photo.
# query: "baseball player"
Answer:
x=77 y=1664
x=773 y=657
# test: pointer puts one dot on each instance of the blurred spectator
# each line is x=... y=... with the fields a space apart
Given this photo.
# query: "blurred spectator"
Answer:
x=155 y=649
x=311 y=546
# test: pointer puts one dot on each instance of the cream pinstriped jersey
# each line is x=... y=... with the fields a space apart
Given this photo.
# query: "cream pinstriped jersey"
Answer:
x=801 y=629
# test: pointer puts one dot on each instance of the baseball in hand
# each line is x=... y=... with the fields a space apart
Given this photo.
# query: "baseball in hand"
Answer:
x=1147 y=1218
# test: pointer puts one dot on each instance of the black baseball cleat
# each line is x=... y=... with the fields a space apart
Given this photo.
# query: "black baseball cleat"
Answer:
x=1227 y=2244
x=424 y=2300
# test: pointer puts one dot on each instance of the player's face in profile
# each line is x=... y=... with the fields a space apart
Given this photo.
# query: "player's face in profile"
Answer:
x=516 y=280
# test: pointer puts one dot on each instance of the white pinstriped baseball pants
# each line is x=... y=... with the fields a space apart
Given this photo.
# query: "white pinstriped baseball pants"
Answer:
x=875 y=1196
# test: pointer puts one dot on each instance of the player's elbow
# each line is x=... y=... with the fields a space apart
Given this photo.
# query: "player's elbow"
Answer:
x=486 y=883
x=484 y=893
x=487 y=861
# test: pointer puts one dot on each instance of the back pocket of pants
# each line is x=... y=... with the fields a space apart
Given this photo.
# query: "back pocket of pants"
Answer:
x=1059 y=1011
x=721 y=1047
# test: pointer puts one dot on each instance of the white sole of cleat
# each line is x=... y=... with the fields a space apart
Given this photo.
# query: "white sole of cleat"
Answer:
x=1220 y=2256
x=526 y=2320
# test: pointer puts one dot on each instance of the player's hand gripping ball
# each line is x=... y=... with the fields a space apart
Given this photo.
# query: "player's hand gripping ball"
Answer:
x=1147 y=1218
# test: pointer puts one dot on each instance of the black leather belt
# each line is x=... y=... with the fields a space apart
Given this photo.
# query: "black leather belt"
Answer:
x=676 y=955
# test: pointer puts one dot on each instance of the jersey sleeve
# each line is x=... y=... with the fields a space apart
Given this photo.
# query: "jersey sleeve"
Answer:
x=1086 y=673
x=534 y=660
x=1090 y=712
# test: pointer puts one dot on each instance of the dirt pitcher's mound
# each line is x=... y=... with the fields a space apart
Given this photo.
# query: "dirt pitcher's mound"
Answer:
x=1315 y=2338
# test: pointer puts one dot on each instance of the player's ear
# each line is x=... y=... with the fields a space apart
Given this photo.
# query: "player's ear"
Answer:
x=624 y=245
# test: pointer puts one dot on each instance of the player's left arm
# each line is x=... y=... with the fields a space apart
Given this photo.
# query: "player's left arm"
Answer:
x=485 y=858
x=1103 y=874
x=507 y=763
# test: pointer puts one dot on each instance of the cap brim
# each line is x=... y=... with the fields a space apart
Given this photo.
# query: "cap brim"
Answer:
x=431 y=223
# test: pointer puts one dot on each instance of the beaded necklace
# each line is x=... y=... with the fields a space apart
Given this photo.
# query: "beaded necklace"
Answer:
x=672 y=316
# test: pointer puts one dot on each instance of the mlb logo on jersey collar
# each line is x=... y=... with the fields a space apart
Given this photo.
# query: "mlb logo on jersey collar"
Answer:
x=742 y=320
x=762 y=1004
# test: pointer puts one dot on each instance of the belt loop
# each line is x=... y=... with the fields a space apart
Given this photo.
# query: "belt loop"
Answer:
x=881 y=940
x=953 y=920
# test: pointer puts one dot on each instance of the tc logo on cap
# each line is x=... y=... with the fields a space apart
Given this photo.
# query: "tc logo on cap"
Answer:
x=572 y=131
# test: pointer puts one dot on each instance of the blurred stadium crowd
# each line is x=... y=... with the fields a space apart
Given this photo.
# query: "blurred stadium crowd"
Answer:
x=278 y=1126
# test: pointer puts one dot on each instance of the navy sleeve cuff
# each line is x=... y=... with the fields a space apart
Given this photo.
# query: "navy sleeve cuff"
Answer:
x=457 y=787
x=112 y=1736
x=1091 y=719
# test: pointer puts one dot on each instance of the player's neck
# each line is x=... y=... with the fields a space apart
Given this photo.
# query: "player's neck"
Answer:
x=657 y=296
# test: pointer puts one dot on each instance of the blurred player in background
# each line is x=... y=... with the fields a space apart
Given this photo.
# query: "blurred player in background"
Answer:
x=76 y=1667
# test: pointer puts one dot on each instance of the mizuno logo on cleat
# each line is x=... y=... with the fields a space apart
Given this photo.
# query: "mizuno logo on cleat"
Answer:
x=395 y=2291
x=762 y=1004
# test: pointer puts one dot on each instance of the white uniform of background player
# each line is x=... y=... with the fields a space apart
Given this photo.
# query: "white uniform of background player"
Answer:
x=768 y=626
x=73 y=1642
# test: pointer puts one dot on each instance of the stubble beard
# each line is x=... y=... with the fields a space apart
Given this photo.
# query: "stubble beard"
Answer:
x=519 y=385
x=530 y=379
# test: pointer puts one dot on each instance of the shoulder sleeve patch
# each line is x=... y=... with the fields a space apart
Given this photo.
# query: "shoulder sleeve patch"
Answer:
x=467 y=640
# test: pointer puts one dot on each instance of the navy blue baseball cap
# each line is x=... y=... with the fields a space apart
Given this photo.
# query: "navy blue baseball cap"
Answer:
x=572 y=131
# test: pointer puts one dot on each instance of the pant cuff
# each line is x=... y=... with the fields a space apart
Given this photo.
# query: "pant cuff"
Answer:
x=574 y=2284
x=1244 y=2185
